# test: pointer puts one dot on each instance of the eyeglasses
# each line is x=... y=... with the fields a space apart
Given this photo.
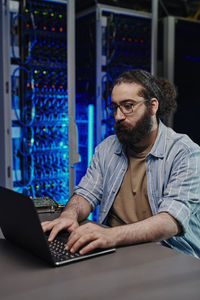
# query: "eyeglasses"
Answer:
x=125 y=108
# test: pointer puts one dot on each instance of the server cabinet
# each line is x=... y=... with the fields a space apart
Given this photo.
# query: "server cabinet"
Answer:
x=182 y=66
x=38 y=132
x=109 y=40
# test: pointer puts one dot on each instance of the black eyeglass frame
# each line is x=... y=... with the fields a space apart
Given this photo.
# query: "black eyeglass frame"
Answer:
x=120 y=106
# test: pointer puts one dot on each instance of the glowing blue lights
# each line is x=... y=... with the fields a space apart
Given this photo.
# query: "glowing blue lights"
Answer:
x=42 y=147
x=90 y=131
x=90 y=137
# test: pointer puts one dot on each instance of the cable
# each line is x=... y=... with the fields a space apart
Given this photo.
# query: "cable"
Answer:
x=13 y=39
x=164 y=7
x=15 y=97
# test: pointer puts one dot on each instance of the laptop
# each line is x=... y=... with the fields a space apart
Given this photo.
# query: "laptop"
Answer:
x=20 y=224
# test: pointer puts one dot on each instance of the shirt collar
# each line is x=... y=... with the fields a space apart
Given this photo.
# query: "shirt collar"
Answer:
x=158 y=149
x=119 y=148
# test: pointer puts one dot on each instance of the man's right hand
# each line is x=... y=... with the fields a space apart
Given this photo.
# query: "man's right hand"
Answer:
x=64 y=221
x=77 y=208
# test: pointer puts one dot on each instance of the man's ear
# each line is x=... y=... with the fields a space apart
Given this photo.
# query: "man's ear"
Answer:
x=154 y=106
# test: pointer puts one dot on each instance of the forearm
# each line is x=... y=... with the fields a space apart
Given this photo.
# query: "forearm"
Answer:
x=157 y=228
x=77 y=207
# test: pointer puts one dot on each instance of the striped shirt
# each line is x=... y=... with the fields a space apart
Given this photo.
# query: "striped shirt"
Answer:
x=173 y=182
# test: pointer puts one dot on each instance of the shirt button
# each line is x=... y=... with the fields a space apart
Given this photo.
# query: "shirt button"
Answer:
x=104 y=210
x=113 y=191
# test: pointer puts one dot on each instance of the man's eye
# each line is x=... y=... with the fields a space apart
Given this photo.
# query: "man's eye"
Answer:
x=127 y=106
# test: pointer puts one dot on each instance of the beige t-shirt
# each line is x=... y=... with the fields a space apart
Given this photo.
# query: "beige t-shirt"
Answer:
x=131 y=203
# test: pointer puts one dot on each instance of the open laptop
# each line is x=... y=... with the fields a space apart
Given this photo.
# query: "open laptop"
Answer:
x=20 y=224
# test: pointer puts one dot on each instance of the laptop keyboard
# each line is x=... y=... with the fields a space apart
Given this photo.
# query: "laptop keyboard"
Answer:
x=58 y=250
x=62 y=256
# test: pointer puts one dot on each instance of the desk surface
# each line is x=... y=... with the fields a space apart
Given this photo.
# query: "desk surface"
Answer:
x=147 y=271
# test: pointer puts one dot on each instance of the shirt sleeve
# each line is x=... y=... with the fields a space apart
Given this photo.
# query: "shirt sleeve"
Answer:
x=181 y=197
x=90 y=186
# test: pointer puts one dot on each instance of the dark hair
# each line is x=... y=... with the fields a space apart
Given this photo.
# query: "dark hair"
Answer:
x=152 y=87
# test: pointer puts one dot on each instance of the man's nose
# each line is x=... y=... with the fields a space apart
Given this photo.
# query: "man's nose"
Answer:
x=119 y=115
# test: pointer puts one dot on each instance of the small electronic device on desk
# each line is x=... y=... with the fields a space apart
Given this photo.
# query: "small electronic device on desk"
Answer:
x=46 y=205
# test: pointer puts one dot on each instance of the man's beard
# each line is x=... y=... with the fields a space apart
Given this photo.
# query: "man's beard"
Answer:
x=130 y=136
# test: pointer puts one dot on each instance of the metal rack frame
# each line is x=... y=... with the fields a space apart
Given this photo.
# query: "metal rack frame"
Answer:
x=169 y=52
x=5 y=98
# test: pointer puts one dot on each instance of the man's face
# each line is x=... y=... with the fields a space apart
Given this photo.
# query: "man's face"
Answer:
x=134 y=127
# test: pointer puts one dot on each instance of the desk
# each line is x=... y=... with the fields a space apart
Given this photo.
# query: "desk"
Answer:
x=140 y=272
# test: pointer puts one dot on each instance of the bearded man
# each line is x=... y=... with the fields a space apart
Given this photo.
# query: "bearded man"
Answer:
x=146 y=178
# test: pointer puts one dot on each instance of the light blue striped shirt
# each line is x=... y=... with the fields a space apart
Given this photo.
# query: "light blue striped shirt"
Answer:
x=173 y=182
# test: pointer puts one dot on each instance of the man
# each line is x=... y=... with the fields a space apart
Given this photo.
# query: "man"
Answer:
x=146 y=178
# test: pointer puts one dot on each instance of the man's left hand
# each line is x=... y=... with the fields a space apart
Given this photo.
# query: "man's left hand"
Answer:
x=89 y=237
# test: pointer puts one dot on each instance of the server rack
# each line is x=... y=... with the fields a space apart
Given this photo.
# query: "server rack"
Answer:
x=181 y=66
x=109 y=40
x=38 y=132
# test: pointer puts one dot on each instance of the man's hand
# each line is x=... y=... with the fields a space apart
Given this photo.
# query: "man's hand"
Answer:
x=90 y=236
x=63 y=222
x=76 y=209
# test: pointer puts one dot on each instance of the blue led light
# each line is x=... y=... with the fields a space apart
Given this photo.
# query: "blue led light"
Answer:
x=90 y=137
x=90 y=131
